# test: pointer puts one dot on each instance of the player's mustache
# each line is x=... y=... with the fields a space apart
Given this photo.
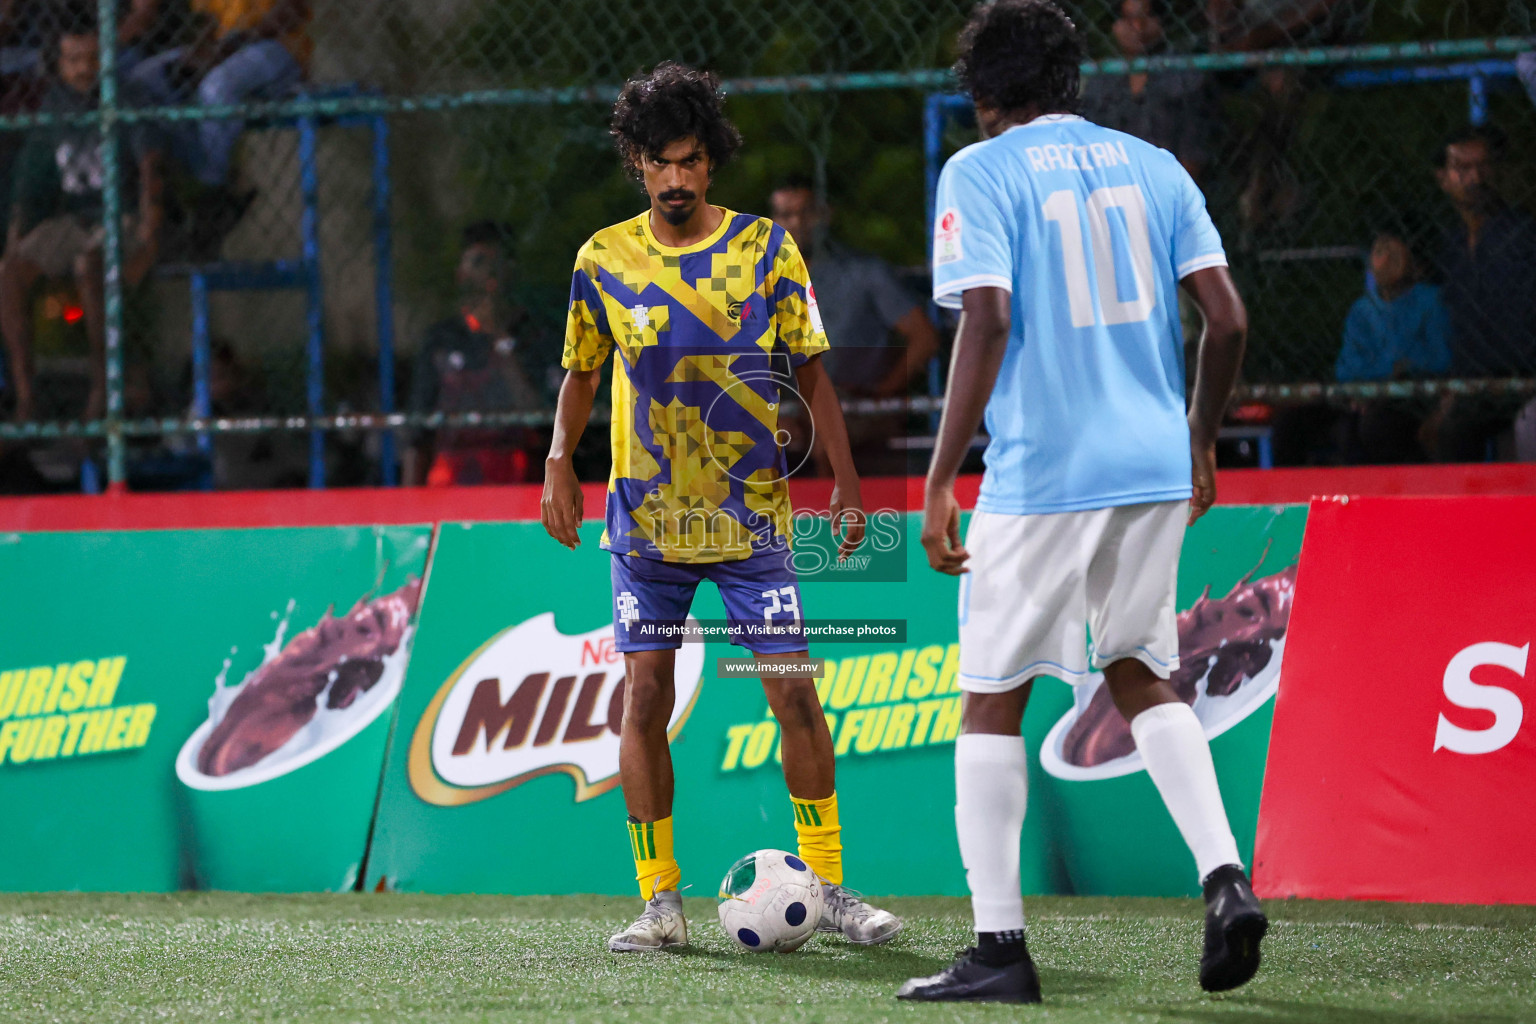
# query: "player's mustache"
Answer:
x=676 y=193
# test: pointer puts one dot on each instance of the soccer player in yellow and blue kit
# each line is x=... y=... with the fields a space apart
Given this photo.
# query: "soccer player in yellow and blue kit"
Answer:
x=699 y=304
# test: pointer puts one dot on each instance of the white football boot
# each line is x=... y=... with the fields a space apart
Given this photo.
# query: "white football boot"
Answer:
x=661 y=925
x=846 y=914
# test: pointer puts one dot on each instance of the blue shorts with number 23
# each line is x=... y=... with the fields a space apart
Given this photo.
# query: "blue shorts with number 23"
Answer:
x=651 y=597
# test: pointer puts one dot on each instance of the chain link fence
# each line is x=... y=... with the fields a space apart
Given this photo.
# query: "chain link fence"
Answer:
x=305 y=242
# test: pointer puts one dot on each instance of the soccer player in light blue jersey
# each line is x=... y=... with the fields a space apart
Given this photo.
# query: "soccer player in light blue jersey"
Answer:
x=1064 y=245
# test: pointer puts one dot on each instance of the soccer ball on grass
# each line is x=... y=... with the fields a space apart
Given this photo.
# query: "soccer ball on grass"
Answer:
x=770 y=902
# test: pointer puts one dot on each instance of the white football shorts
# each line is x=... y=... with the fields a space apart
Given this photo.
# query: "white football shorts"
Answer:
x=1041 y=586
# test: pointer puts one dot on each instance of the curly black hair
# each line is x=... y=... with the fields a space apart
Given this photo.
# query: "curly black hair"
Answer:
x=1014 y=53
x=673 y=102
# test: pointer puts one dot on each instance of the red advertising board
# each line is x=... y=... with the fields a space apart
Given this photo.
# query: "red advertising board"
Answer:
x=1404 y=743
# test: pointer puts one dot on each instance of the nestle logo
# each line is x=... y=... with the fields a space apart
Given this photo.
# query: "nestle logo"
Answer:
x=601 y=652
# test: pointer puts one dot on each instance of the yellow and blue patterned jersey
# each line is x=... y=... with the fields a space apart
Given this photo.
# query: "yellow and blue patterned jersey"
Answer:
x=699 y=474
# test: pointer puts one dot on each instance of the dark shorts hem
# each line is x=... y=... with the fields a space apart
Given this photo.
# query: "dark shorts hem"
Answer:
x=625 y=647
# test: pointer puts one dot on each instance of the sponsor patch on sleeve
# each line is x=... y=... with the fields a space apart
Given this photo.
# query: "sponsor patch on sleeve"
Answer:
x=813 y=308
x=946 y=238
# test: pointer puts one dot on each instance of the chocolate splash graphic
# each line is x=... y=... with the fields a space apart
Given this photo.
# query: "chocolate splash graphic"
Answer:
x=337 y=657
x=1229 y=636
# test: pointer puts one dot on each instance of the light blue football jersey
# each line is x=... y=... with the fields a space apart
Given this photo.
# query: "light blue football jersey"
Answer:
x=1091 y=231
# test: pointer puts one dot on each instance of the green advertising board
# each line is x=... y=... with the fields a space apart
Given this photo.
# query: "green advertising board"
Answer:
x=198 y=709
x=502 y=772
x=1237 y=573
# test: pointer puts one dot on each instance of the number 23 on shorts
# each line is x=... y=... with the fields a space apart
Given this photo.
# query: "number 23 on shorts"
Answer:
x=782 y=600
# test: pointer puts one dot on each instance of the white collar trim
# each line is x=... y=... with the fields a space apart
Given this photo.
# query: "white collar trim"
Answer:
x=1044 y=119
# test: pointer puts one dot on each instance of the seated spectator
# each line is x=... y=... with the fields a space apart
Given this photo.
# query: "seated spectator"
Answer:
x=881 y=337
x=1488 y=269
x=469 y=363
x=27 y=25
x=56 y=214
x=1171 y=109
x=1398 y=329
x=245 y=50
x=26 y=28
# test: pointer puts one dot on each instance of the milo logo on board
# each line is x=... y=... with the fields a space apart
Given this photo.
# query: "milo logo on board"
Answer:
x=533 y=701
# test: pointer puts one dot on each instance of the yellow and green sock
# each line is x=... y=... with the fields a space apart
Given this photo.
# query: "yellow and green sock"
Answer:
x=821 y=837
x=655 y=868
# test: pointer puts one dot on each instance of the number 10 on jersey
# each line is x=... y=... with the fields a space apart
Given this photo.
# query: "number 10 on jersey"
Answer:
x=1062 y=208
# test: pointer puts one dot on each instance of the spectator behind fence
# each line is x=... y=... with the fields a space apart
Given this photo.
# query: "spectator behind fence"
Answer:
x=1171 y=109
x=1488 y=267
x=1398 y=329
x=26 y=26
x=1273 y=196
x=864 y=308
x=1264 y=24
x=862 y=303
x=56 y=215
x=469 y=363
x=244 y=51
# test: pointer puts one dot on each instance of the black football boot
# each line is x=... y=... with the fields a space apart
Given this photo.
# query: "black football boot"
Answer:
x=971 y=980
x=1234 y=924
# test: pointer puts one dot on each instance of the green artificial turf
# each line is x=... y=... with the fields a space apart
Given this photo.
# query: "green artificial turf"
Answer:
x=228 y=957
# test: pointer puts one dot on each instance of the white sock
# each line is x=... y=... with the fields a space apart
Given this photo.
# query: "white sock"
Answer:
x=991 y=790
x=1178 y=757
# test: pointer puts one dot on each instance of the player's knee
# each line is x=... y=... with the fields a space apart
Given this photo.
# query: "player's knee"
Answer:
x=796 y=705
x=1128 y=674
x=647 y=701
x=1000 y=714
x=1134 y=687
x=219 y=87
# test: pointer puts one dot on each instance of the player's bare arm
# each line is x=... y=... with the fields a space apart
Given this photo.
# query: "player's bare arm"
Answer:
x=847 y=504
x=1217 y=367
x=560 y=509
x=980 y=342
